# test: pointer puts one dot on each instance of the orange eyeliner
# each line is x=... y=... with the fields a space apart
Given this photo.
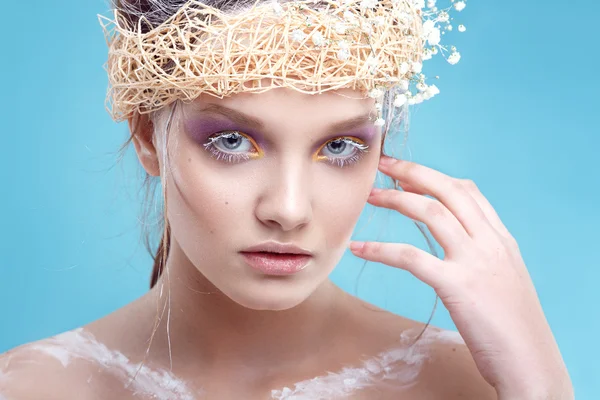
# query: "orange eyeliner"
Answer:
x=259 y=152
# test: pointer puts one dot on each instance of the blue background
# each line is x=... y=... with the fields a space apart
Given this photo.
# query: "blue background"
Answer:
x=516 y=115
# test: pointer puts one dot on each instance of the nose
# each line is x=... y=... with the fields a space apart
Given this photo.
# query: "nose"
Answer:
x=286 y=200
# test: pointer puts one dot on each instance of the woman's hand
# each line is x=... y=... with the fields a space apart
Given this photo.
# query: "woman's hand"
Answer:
x=482 y=280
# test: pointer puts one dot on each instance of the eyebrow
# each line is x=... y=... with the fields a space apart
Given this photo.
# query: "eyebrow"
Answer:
x=255 y=123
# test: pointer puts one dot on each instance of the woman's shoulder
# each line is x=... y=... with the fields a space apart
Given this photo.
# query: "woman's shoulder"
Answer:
x=75 y=364
x=449 y=371
x=44 y=369
x=28 y=373
x=423 y=361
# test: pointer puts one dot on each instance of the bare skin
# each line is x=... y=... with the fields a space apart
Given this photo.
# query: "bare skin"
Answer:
x=362 y=330
x=227 y=331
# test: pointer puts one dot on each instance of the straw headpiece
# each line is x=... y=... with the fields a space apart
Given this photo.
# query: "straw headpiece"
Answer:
x=308 y=45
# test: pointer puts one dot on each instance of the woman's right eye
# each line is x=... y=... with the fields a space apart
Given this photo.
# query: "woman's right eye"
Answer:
x=232 y=146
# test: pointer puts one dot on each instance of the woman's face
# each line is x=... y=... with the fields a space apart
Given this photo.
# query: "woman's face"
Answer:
x=282 y=174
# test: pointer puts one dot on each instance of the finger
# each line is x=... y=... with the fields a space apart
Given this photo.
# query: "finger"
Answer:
x=486 y=207
x=444 y=226
x=424 y=266
x=408 y=188
x=447 y=190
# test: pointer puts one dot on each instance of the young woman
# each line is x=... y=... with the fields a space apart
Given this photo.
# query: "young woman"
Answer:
x=262 y=192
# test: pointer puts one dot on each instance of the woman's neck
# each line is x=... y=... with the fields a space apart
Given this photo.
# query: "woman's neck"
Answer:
x=200 y=325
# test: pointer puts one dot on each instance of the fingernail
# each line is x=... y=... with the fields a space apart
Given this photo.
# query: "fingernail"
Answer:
x=385 y=160
x=356 y=246
x=374 y=191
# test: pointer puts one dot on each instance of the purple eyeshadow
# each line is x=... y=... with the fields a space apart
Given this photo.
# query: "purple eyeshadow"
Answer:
x=201 y=128
x=367 y=133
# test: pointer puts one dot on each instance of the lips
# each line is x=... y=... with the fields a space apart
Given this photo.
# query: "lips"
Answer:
x=275 y=247
x=270 y=263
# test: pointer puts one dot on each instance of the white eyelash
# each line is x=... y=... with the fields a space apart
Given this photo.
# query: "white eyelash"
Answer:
x=356 y=144
x=341 y=162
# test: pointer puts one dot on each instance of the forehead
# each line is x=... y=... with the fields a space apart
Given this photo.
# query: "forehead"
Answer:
x=331 y=104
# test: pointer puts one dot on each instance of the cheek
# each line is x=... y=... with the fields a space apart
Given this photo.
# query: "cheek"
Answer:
x=206 y=204
x=340 y=203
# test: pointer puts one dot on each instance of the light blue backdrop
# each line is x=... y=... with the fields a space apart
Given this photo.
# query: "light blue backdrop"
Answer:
x=517 y=115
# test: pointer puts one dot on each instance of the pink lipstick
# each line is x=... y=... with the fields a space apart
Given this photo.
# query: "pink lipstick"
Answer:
x=276 y=263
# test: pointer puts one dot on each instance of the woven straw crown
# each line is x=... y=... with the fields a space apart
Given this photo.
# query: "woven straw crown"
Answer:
x=305 y=45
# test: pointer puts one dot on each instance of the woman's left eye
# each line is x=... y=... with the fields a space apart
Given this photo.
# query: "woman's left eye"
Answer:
x=235 y=146
x=350 y=149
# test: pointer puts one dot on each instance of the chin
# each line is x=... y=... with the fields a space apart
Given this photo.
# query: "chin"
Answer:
x=272 y=295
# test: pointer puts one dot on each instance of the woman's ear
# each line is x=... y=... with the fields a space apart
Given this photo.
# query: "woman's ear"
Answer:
x=142 y=131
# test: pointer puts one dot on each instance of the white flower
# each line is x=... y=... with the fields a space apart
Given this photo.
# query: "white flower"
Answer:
x=434 y=37
x=419 y=4
x=432 y=90
x=431 y=33
x=462 y=28
x=400 y=100
x=375 y=93
x=379 y=122
x=298 y=35
x=378 y=106
x=443 y=16
x=404 y=68
x=349 y=17
x=403 y=86
x=340 y=28
x=416 y=99
x=378 y=20
x=317 y=38
x=371 y=63
x=344 y=45
x=454 y=58
x=404 y=18
x=428 y=26
x=449 y=27
x=427 y=54
x=416 y=67
x=343 y=54
x=277 y=9
x=421 y=86
x=430 y=3
x=460 y=5
x=368 y=4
